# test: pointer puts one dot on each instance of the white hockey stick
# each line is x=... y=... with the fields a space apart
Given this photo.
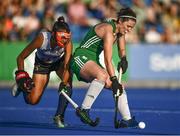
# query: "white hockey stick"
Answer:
x=69 y=99
x=120 y=75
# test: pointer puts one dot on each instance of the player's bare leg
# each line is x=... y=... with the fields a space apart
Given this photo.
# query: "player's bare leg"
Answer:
x=41 y=81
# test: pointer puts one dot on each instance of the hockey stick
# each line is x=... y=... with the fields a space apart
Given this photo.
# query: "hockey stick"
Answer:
x=116 y=121
x=85 y=118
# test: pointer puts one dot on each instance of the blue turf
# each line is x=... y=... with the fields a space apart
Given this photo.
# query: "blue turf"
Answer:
x=159 y=108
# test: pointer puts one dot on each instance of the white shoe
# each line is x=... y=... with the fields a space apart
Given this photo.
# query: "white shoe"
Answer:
x=15 y=90
x=59 y=121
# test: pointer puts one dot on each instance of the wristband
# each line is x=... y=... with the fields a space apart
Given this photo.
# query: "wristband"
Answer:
x=113 y=78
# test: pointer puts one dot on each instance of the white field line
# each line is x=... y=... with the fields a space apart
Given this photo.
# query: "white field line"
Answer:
x=94 y=110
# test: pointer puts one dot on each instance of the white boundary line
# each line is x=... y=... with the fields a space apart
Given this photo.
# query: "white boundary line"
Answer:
x=95 y=110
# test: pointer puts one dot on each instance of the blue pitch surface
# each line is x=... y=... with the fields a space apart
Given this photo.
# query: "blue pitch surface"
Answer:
x=158 y=108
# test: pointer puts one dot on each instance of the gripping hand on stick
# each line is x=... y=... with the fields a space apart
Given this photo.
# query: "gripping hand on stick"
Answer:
x=116 y=86
x=24 y=81
x=123 y=64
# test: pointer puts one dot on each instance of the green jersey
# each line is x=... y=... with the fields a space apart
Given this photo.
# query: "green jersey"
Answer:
x=89 y=49
x=94 y=43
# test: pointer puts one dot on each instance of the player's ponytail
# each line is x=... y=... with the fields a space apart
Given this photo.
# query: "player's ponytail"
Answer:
x=60 y=24
x=61 y=19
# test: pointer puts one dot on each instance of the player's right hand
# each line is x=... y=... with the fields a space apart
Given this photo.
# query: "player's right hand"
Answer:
x=64 y=87
x=116 y=85
x=123 y=64
x=24 y=81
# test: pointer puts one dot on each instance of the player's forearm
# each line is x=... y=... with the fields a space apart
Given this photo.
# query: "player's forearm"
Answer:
x=66 y=73
x=66 y=76
x=68 y=54
x=110 y=68
x=122 y=53
x=108 y=62
x=122 y=46
x=20 y=63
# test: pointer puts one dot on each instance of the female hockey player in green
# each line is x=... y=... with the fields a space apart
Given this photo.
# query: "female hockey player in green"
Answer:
x=85 y=62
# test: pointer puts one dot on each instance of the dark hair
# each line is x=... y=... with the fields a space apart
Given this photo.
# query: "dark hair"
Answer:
x=126 y=14
x=60 y=24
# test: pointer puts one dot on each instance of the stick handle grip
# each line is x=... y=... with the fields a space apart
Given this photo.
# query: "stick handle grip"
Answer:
x=119 y=79
x=120 y=75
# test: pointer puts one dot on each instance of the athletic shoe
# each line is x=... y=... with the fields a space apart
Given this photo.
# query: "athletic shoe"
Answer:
x=15 y=90
x=59 y=121
x=131 y=123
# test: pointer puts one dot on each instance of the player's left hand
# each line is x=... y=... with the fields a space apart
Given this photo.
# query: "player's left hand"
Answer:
x=116 y=85
x=123 y=64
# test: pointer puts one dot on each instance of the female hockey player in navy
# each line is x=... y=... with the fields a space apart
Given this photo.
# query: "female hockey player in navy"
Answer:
x=54 y=50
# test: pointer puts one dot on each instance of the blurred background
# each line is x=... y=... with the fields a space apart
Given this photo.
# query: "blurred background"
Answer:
x=153 y=47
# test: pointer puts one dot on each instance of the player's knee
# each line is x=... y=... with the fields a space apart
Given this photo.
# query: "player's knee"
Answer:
x=102 y=76
x=108 y=85
x=33 y=100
